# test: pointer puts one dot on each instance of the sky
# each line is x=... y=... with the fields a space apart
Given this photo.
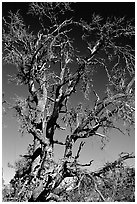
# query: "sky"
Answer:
x=13 y=144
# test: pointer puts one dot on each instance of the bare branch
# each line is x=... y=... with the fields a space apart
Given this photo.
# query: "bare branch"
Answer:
x=58 y=142
x=100 y=135
x=84 y=165
x=128 y=89
x=96 y=47
x=51 y=99
x=80 y=147
x=113 y=164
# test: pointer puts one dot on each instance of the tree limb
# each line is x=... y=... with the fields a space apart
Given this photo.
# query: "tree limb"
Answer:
x=113 y=164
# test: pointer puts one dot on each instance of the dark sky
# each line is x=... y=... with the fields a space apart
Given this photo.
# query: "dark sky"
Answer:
x=83 y=9
x=12 y=143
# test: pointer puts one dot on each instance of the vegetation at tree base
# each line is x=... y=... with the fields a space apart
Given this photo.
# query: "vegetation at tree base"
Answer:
x=117 y=183
x=52 y=69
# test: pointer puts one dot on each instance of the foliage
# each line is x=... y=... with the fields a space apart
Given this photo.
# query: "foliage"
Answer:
x=50 y=67
x=115 y=182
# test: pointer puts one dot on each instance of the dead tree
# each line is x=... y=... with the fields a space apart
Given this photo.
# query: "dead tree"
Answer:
x=37 y=56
